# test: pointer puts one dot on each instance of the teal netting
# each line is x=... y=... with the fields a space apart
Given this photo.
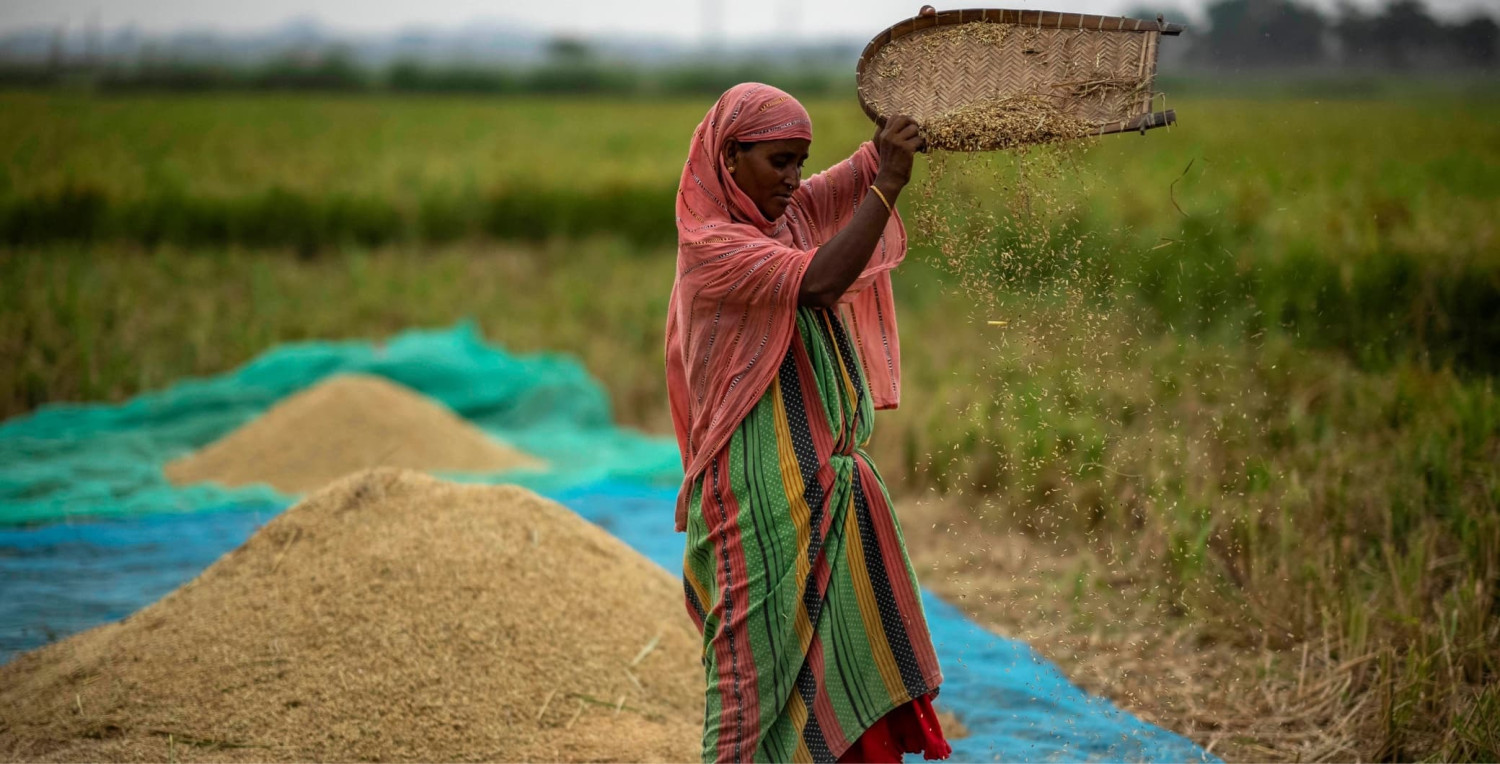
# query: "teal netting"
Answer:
x=72 y=460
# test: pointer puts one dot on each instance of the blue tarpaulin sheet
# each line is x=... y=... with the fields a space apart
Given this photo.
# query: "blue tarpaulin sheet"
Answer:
x=76 y=556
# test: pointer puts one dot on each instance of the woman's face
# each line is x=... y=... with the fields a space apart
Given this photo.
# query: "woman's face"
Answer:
x=768 y=172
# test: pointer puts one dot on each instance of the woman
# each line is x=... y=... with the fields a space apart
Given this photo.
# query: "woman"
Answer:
x=781 y=343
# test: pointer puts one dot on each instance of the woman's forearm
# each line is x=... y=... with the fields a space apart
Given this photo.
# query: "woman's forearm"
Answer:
x=842 y=258
x=839 y=262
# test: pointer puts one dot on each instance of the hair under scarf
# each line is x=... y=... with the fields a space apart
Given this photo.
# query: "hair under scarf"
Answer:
x=733 y=309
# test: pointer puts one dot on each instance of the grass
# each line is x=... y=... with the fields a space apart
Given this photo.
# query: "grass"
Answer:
x=76 y=325
x=1348 y=176
x=1269 y=434
x=1379 y=212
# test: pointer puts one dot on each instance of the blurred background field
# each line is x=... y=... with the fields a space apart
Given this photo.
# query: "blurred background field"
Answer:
x=1297 y=207
x=1271 y=446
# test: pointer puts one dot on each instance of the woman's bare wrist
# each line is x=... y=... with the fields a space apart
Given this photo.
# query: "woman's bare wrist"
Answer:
x=889 y=186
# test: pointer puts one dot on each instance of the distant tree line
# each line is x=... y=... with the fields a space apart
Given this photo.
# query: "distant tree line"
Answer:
x=1255 y=35
x=570 y=66
x=1401 y=36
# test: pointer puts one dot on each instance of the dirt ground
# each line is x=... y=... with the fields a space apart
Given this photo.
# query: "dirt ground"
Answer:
x=1104 y=631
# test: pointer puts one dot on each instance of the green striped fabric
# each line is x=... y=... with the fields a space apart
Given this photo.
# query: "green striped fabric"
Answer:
x=796 y=571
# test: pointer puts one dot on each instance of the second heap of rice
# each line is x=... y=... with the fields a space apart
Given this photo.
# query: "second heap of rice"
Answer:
x=347 y=423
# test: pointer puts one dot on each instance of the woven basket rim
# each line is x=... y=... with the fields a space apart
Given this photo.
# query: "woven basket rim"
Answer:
x=1033 y=18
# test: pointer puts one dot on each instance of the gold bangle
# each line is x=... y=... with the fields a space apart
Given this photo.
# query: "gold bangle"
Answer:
x=883 y=200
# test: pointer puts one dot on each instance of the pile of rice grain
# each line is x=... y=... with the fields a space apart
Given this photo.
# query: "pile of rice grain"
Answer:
x=390 y=616
x=1003 y=123
x=344 y=424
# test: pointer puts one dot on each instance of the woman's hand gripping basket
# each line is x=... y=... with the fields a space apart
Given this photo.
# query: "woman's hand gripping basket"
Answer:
x=986 y=79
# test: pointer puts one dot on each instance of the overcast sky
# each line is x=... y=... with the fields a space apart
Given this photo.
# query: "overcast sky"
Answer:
x=684 y=19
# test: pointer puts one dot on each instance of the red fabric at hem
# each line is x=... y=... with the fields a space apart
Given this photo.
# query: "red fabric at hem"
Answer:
x=911 y=728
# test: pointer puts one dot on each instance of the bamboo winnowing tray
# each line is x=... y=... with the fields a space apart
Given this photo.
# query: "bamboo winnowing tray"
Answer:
x=1095 y=68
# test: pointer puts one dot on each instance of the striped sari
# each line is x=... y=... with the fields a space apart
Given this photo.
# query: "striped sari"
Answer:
x=796 y=570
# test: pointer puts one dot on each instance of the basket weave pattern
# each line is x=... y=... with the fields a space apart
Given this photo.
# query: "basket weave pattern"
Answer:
x=1097 y=69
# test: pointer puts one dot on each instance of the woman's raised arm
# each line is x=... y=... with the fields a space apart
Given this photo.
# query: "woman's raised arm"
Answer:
x=840 y=260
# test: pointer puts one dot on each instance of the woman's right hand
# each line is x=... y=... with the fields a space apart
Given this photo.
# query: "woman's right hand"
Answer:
x=841 y=259
x=897 y=140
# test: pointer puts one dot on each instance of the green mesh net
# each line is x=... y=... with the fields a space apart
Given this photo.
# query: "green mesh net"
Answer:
x=106 y=460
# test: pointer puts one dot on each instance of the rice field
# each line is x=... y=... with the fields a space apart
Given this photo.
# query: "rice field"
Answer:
x=1288 y=211
x=1275 y=433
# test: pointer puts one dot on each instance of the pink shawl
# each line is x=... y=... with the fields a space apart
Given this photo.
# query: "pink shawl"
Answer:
x=733 y=309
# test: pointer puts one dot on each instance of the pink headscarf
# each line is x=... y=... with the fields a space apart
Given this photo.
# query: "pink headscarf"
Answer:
x=733 y=309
